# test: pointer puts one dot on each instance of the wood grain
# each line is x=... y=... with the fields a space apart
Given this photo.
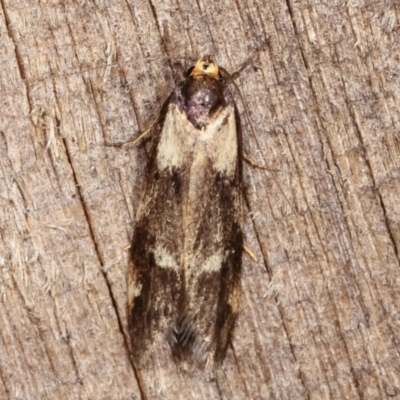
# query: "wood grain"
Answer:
x=321 y=309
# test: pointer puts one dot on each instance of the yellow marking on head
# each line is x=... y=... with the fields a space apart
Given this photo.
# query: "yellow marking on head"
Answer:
x=205 y=66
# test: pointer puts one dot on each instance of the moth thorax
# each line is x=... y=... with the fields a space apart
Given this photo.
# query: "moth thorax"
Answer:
x=205 y=66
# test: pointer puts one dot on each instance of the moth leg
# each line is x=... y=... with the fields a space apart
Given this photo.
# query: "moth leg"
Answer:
x=252 y=162
x=231 y=77
x=255 y=164
x=250 y=253
x=272 y=171
x=137 y=140
x=250 y=59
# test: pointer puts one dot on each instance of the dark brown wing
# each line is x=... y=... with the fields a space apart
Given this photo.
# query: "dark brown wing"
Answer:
x=186 y=251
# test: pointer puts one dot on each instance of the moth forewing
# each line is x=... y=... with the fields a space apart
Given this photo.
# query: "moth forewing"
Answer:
x=184 y=274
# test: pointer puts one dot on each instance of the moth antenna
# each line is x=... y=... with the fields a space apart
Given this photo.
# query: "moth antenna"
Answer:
x=231 y=79
x=180 y=58
x=173 y=56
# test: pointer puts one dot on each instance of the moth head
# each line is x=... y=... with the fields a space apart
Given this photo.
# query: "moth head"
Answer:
x=205 y=66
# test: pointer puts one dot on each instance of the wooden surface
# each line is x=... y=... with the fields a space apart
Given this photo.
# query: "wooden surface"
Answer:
x=320 y=317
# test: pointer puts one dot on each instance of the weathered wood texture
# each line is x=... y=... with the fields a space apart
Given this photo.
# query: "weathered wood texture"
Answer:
x=320 y=317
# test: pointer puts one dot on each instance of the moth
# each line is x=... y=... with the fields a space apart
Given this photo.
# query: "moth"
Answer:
x=186 y=252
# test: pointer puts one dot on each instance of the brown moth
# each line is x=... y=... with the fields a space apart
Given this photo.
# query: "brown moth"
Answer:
x=186 y=253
